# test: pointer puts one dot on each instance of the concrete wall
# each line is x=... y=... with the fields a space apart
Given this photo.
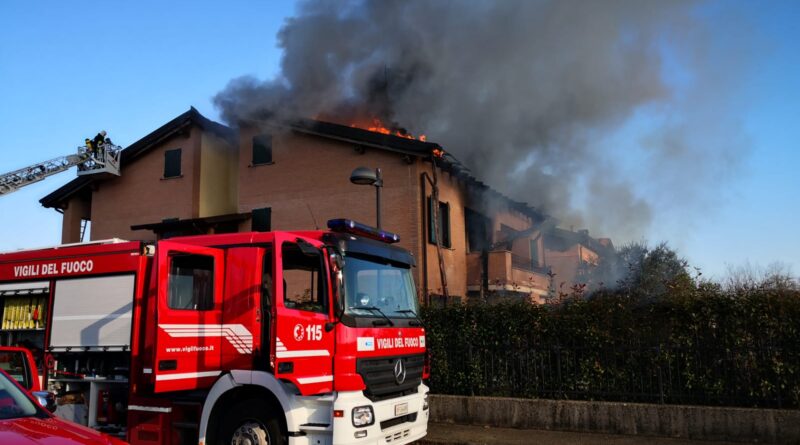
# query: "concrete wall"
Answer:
x=690 y=422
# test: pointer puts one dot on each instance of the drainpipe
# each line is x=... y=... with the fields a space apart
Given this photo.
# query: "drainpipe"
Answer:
x=435 y=205
x=422 y=178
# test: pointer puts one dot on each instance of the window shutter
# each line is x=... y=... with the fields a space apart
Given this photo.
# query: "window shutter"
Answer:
x=262 y=220
x=431 y=225
x=172 y=163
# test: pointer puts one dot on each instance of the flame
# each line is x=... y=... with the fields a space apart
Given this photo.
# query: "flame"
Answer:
x=377 y=126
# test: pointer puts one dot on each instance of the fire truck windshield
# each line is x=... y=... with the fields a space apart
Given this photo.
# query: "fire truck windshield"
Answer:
x=378 y=290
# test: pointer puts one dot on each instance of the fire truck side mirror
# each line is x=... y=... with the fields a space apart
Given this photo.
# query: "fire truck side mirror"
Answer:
x=46 y=399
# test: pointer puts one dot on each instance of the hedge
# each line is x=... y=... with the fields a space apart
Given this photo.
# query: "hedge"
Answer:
x=703 y=346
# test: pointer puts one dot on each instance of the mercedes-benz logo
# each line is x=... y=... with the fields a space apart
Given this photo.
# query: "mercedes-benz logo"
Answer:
x=399 y=372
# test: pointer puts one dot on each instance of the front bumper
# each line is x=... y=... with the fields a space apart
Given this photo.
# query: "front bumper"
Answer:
x=388 y=428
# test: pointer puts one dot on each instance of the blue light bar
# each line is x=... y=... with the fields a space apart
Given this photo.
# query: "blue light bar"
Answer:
x=356 y=228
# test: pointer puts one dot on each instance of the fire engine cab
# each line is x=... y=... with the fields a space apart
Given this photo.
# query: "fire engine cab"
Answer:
x=305 y=337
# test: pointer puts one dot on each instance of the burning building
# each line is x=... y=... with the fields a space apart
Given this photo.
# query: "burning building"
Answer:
x=196 y=176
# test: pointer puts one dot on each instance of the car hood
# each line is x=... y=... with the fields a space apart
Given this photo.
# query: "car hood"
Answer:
x=49 y=431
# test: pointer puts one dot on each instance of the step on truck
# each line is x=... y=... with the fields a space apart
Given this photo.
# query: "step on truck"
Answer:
x=306 y=337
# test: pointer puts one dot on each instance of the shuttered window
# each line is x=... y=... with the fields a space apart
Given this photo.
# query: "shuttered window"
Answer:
x=444 y=223
x=262 y=220
x=172 y=163
x=92 y=313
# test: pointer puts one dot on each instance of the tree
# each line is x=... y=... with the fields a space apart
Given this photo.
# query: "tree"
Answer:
x=748 y=277
x=649 y=274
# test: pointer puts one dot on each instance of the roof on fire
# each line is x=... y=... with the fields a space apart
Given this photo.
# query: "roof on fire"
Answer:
x=411 y=147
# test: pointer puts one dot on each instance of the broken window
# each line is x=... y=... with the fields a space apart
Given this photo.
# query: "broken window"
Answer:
x=477 y=229
x=262 y=149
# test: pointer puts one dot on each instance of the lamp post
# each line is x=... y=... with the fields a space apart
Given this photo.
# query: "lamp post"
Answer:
x=368 y=176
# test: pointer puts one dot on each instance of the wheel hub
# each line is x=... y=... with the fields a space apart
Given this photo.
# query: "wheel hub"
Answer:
x=250 y=433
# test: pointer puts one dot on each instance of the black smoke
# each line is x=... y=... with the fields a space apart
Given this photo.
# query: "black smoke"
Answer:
x=595 y=111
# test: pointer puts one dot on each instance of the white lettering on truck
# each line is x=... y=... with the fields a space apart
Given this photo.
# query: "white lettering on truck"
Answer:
x=67 y=267
x=398 y=342
x=77 y=266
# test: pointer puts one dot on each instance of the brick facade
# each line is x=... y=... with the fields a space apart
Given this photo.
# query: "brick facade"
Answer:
x=307 y=183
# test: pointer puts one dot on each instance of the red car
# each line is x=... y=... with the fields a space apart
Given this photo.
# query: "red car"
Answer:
x=24 y=422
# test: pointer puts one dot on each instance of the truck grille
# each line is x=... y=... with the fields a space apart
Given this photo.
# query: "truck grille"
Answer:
x=379 y=376
x=386 y=424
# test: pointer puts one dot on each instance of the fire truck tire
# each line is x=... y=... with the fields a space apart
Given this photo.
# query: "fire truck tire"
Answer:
x=250 y=422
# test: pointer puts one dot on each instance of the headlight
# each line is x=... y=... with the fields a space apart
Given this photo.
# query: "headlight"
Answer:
x=363 y=416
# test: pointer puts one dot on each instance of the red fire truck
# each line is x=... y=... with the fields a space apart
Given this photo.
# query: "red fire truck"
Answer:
x=248 y=338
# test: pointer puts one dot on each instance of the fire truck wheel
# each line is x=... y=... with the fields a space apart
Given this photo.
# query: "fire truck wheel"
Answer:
x=250 y=423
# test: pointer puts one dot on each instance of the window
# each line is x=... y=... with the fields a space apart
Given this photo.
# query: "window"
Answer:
x=14 y=363
x=262 y=149
x=535 y=252
x=14 y=403
x=172 y=163
x=261 y=220
x=191 y=283
x=444 y=223
x=477 y=228
x=303 y=280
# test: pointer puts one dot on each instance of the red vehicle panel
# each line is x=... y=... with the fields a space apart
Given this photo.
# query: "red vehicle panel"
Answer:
x=303 y=347
x=189 y=314
x=77 y=261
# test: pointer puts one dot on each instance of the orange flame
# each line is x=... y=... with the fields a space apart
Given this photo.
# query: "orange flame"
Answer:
x=377 y=126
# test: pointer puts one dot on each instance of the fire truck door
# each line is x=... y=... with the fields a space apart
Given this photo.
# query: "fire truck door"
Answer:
x=303 y=348
x=189 y=317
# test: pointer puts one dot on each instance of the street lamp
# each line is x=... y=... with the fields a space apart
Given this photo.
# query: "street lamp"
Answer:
x=368 y=176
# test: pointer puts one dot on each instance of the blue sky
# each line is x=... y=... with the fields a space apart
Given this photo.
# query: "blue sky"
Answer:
x=69 y=69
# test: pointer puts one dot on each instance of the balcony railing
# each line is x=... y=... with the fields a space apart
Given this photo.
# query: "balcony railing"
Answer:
x=523 y=263
x=506 y=272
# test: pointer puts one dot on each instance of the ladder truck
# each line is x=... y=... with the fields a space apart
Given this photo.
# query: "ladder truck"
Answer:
x=105 y=161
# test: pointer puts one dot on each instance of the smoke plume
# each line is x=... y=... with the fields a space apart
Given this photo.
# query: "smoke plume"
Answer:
x=583 y=109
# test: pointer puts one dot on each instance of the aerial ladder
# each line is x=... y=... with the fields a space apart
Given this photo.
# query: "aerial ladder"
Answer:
x=104 y=160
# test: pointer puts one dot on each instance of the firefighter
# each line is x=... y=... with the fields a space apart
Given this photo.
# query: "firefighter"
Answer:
x=100 y=139
x=98 y=142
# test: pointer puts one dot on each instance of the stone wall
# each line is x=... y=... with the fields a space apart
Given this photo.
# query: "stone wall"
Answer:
x=679 y=421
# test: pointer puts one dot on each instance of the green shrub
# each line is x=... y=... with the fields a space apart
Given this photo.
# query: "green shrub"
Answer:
x=697 y=344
